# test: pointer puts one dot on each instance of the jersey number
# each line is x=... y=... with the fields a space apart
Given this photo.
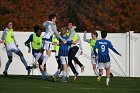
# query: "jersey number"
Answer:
x=103 y=48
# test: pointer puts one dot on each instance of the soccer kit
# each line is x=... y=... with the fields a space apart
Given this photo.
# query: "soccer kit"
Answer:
x=11 y=47
x=103 y=46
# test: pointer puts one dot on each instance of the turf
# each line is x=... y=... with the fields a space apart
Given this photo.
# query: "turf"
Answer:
x=33 y=84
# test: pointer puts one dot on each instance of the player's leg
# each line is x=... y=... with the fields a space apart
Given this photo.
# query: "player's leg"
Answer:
x=60 y=68
x=107 y=67
x=48 y=48
x=93 y=62
x=64 y=63
x=73 y=56
x=101 y=67
x=9 y=54
x=71 y=64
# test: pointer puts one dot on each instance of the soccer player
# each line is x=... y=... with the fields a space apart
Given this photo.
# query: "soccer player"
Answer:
x=103 y=47
x=47 y=38
x=55 y=43
x=63 y=51
x=73 y=50
x=36 y=44
x=11 y=46
x=92 y=42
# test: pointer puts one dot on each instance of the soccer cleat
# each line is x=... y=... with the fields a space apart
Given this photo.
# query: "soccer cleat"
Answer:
x=64 y=81
x=82 y=68
x=43 y=77
x=99 y=78
x=29 y=70
x=76 y=76
x=5 y=74
x=111 y=75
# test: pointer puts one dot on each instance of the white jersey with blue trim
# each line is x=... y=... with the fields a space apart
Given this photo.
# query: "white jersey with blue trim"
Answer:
x=49 y=32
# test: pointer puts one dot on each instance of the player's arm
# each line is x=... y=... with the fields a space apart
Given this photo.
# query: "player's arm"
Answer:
x=56 y=33
x=4 y=36
x=95 y=47
x=113 y=49
x=27 y=43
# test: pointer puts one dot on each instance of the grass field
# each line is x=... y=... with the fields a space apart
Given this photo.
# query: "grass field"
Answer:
x=33 y=84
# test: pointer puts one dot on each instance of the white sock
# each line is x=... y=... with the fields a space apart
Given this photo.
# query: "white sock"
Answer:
x=96 y=72
x=107 y=81
x=68 y=72
x=64 y=75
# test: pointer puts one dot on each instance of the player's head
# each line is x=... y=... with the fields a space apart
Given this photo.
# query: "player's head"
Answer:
x=70 y=24
x=37 y=30
x=63 y=30
x=10 y=24
x=52 y=17
x=104 y=33
x=94 y=35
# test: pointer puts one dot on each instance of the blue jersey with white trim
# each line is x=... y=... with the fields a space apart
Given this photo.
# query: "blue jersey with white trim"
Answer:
x=103 y=46
x=63 y=49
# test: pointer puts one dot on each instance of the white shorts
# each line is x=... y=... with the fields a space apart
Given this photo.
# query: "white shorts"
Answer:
x=93 y=60
x=64 y=60
x=47 y=45
x=104 y=65
x=42 y=56
x=11 y=50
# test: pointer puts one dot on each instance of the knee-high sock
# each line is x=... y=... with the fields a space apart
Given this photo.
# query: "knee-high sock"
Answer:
x=68 y=72
x=64 y=75
x=7 y=66
x=96 y=72
x=107 y=81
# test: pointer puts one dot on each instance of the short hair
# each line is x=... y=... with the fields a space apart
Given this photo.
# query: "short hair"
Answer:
x=37 y=28
x=51 y=16
x=104 y=33
x=63 y=28
x=10 y=21
x=96 y=34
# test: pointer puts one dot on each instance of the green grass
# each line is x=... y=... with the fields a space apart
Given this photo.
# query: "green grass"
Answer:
x=33 y=84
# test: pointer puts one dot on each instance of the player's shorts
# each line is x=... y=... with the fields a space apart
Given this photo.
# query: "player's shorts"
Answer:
x=42 y=56
x=47 y=45
x=104 y=65
x=93 y=60
x=64 y=59
x=12 y=48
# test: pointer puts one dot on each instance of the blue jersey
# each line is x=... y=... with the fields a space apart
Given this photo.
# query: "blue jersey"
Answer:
x=63 y=49
x=103 y=46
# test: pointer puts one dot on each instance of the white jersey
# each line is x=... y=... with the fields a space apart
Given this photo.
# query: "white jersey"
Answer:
x=49 y=32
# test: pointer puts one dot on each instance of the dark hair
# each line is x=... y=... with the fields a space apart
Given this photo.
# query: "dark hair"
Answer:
x=51 y=16
x=96 y=34
x=9 y=22
x=104 y=33
x=37 y=28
